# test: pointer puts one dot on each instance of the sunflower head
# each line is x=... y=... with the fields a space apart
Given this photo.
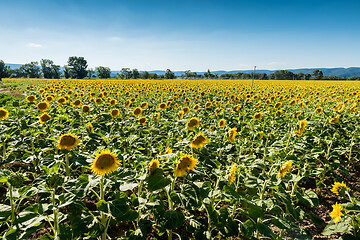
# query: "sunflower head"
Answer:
x=156 y=116
x=185 y=164
x=257 y=116
x=181 y=114
x=98 y=100
x=232 y=174
x=154 y=164
x=196 y=107
x=30 y=99
x=127 y=103
x=113 y=102
x=105 y=162
x=3 y=114
x=90 y=128
x=232 y=135
x=336 y=213
x=279 y=112
x=49 y=99
x=335 y=119
x=67 y=142
x=319 y=110
x=186 y=110
x=222 y=123
x=338 y=187
x=115 y=112
x=42 y=106
x=278 y=105
x=199 y=141
x=61 y=100
x=144 y=105
x=44 y=118
x=162 y=106
x=137 y=112
x=284 y=169
x=77 y=103
x=86 y=108
x=142 y=120
x=194 y=122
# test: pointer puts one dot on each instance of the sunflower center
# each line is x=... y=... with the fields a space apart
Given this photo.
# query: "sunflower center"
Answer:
x=45 y=118
x=105 y=161
x=137 y=111
x=199 y=140
x=185 y=163
x=2 y=113
x=67 y=141
x=42 y=105
x=193 y=122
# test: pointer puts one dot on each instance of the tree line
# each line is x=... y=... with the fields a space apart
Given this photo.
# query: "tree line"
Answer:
x=77 y=68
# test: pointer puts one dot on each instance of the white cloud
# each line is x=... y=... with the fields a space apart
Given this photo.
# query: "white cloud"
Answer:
x=34 y=45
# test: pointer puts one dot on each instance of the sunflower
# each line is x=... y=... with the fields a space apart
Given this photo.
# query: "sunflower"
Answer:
x=319 y=110
x=278 y=105
x=142 y=120
x=336 y=213
x=154 y=164
x=90 y=128
x=86 y=108
x=196 y=107
x=144 y=105
x=302 y=126
x=296 y=114
x=98 y=100
x=44 y=118
x=232 y=174
x=185 y=164
x=222 y=123
x=137 y=112
x=338 y=187
x=236 y=108
x=61 y=100
x=232 y=135
x=335 y=119
x=115 y=112
x=168 y=150
x=30 y=99
x=194 y=122
x=199 y=141
x=49 y=98
x=3 y=113
x=127 y=103
x=218 y=111
x=162 y=106
x=181 y=114
x=284 y=169
x=67 y=142
x=77 y=103
x=186 y=109
x=208 y=105
x=279 y=112
x=42 y=106
x=257 y=116
x=104 y=162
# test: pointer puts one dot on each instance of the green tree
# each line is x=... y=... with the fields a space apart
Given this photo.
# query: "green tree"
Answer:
x=49 y=69
x=125 y=73
x=77 y=67
x=4 y=70
x=145 y=75
x=91 y=73
x=169 y=74
x=67 y=72
x=30 y=70
x=103 y=72
x=135 y=73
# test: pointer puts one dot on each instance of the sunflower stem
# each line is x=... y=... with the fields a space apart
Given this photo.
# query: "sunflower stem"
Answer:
x=55 y=214
x=4 y=149
x=102 y=197
x=12 y=204
x=67 y=164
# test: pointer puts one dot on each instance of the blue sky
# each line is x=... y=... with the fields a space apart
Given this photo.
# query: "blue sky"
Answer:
x=180 y=35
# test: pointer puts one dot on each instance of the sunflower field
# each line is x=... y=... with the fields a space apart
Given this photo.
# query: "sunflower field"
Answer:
x=180 y=159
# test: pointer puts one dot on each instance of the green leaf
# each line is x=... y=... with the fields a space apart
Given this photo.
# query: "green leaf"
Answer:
x=121 y=211
x=157 y=180
x=342 y=227
x=308 y=198
x=128 y=186
x=5 y=211
x=247 y=228
x=171 y=219
x=263 y=229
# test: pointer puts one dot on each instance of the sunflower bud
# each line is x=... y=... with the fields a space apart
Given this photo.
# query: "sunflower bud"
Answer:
x=53 y=181
x=16 y=180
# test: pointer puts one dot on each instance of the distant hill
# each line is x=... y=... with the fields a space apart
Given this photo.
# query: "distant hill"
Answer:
x=340 y=72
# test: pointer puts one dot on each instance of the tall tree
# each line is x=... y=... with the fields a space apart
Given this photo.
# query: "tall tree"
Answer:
x=4 y=70
x=169 y=74
x=125 y=73
x=103 y=72
x=30 y=70
x=67 y=72
x=91 y=73
x=135 y=73
x=77 y=67
x=49 y=69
